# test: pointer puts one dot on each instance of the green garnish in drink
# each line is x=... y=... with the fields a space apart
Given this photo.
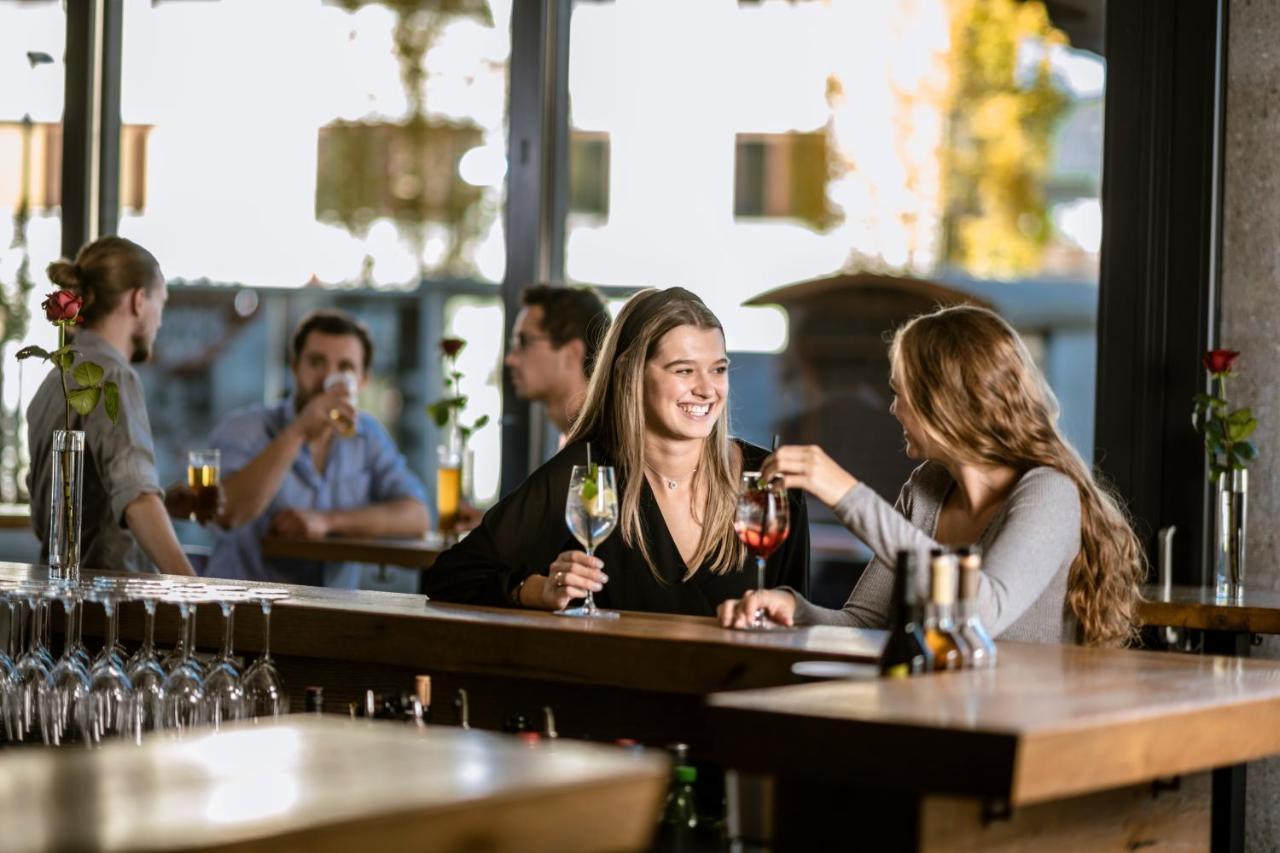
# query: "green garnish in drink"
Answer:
x=589 y=484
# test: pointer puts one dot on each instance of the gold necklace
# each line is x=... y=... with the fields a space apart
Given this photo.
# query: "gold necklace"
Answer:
x=667 y=481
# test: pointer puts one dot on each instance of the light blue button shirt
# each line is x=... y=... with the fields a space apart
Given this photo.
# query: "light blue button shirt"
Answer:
x=361 y=470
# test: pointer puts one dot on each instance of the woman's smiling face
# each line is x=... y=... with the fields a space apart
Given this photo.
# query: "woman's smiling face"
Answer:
x=686 y=383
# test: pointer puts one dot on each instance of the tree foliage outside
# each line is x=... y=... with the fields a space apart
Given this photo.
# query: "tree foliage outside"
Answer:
x=1002 y=117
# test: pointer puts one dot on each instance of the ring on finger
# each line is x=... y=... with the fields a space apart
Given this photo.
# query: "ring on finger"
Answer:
x=559 y=578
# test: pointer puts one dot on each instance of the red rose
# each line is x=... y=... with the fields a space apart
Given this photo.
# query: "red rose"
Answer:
x=1220 y=360
x=62 y=306
x=452 y=346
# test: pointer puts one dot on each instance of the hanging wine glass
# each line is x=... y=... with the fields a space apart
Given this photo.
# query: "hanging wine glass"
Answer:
x=33 y=666
x=223 y=686
x=112 y=713
x=65 y=704
x=144 y=667
x=184 y=698
x=263 y=687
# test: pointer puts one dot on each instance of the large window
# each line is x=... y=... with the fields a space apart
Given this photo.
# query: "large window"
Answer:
x=820 y=171
x=32 y=38
x=308 y=153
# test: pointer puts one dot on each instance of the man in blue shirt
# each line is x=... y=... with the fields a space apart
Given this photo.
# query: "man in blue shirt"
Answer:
x=288 y=470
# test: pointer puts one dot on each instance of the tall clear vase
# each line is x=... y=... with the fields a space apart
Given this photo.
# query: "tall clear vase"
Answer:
x=1230 y=539
x=67 y=489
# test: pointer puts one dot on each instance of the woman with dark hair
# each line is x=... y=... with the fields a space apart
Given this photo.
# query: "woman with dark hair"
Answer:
x=657 y=411
x=1062 y=563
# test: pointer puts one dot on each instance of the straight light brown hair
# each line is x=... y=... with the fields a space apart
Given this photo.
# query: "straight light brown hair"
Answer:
x=613 y=417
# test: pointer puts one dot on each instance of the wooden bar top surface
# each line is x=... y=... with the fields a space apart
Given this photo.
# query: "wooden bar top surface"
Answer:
x=1258 y=611
x=329 y=784
x=1050 y=722
x=643 y=651
x=409 y=553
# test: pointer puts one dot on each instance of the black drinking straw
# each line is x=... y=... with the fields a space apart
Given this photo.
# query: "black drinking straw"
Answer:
x=588 y=455
x=777 y=439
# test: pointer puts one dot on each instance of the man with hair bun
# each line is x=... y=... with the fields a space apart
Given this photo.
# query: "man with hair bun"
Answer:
x=126 y=523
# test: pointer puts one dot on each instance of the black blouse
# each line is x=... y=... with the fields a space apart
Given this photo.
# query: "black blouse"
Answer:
x=526 y=530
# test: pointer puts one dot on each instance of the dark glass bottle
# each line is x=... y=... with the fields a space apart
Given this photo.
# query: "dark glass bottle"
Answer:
x=906 y=653
x=315 y=700
x=679 y=827
x=982 y=647
x=950 y=651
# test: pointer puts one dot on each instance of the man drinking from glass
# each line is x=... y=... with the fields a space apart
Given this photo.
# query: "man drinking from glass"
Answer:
x=288 y=470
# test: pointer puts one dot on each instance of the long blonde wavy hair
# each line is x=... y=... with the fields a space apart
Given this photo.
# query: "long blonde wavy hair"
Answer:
x=613 y=418
x=982 y=400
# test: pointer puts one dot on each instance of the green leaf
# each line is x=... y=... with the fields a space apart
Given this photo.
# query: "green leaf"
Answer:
x=83 y=400
x=439 y=411
x=33 y=352
x=63 y=358
x=1240 y=416
x=480 y=423
x=87 y=374
x=589 y=484
x=1245 y=451
x=111 y=401
x=1213 y=428
x=1241 y=431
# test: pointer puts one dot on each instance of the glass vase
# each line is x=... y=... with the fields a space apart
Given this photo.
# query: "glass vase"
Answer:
x=1230 y=529
x=65 y=505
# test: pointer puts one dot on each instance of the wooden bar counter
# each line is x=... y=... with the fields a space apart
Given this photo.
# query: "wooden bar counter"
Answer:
x=1106 y=746
x=643 y=676
x=320 y=785
x=1078 y=748
x=408 y=553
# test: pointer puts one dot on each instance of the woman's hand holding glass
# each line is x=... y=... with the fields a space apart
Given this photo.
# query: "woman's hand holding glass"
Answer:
x=571 y=577
x=809 y=467
x=776 y=605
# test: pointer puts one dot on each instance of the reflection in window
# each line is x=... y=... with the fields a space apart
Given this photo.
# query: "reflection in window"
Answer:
x=589 y=173
x=782 y=176
x=310 y=153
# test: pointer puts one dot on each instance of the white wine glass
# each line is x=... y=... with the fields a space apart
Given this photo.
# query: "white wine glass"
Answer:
x=591 y=511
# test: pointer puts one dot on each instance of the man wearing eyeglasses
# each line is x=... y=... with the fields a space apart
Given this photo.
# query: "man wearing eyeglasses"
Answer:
x=553 y=348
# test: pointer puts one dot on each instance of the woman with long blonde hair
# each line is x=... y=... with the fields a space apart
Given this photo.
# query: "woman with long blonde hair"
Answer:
x=1062 y=563
x=657 y=411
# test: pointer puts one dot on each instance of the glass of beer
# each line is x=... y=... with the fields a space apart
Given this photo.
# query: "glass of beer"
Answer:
x=347 y=382
x=448 y=489
x=203 y=467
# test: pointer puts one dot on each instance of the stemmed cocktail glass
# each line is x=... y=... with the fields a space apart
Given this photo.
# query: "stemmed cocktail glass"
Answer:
x=762 y=522
x=591 y=511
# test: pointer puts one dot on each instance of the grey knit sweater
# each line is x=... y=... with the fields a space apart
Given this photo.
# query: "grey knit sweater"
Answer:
x=1027 y=551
